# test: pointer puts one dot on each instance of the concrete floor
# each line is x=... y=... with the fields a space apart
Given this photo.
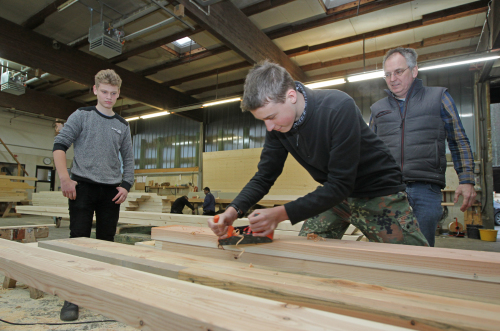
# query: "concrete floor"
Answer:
x=16 y=305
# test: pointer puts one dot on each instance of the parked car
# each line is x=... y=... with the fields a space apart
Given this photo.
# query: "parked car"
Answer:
x=496 y=205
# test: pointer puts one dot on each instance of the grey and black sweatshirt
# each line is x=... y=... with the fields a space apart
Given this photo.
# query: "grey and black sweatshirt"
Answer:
x=98 y=142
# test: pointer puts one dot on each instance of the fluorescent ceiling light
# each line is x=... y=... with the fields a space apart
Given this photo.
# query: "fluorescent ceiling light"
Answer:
x=371 y=75
x=156 y=114
x=326 y=83
x=66 y=5
x=222 y=101
x=466 y=115
x=459 y=63
x=132 y=118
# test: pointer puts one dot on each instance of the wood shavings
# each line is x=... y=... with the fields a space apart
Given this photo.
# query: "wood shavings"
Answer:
x=242 y=249
x=315 y=237
x=250 y=266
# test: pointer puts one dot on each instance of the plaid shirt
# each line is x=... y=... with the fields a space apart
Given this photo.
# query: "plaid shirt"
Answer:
x=461 y=153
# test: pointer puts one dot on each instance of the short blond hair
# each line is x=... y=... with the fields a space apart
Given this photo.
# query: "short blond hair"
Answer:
x=108 y=76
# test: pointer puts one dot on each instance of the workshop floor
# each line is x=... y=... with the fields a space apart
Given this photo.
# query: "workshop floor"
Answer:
x=16 y=305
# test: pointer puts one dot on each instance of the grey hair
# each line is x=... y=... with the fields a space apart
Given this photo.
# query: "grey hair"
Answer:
x=409 y=54
x=266 y=82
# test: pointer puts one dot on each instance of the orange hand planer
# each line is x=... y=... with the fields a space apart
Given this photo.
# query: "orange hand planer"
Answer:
x=235 y=235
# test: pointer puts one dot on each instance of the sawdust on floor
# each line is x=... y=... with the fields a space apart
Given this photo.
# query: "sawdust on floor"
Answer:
x=17 y=306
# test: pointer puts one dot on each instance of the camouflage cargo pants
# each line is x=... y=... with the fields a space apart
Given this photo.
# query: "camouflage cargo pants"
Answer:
x=386 y=219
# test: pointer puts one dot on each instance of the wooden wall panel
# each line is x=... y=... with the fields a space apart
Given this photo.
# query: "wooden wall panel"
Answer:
x=229 y=171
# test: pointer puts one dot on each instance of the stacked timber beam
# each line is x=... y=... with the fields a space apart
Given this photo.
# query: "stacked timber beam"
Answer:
x=305 y=285
x=151 y=302
x=163 y=219
x=12 y=191
x=448 y=272
x=143 y=202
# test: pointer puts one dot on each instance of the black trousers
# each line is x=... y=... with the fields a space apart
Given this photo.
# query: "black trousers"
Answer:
x=89 y=198
x=209 y=212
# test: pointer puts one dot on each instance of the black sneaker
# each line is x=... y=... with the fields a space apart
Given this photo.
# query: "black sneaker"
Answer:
x=69 y=312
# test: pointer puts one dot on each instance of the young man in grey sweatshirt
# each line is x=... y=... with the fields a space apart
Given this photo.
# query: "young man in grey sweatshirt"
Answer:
x=97 y=184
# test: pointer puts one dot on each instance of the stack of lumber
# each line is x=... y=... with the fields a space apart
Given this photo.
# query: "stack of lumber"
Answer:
x=162 y=219
x=12 y=191
x=152 y=302
x=416 y=288
x=136 y=201
x=429 y=288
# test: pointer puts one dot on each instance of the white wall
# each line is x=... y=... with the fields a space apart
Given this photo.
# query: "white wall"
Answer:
x=30 y=139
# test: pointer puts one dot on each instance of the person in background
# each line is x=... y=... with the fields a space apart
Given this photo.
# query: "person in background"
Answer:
x=414 y=121
x=100 y=137
x=179 y=204
x=209 y=203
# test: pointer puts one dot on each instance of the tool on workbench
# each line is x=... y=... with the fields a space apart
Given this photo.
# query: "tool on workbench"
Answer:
x=235 y=235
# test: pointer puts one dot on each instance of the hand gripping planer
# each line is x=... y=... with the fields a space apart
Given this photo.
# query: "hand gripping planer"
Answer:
x=235 y=234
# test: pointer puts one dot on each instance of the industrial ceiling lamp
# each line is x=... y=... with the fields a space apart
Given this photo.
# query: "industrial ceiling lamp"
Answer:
x=326 y=83
x=220 y=102
x=163 y=113
x=370 y=75
x=460 y=62
x=132 y=118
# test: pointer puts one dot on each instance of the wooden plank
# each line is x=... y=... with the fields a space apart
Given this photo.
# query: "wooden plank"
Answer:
x=381 y=304
x=152 y=302
x=37 y=19
x=398 y=266
x=437 y=261
x=18 y=177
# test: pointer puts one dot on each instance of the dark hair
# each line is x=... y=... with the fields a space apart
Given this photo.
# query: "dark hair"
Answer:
x=266 y=82
x=206 y=189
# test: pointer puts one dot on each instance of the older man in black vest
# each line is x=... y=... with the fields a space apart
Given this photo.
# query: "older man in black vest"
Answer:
x=414 y=121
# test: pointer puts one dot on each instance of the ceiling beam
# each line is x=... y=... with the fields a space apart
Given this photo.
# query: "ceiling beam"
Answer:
x=346 y=6
x=76 y=94
x=217 y=86
x=430 y=19
x=336 y=17
x=262 y=6
x=208 y=73
x=48 y=85
x=40 y=103
x=250 y=10
x=421 y=58
x=432 y=41
x=72 y=64
x=127 y=107
x=228 y=24
x=183 y=60
x=337 y=74
x=155 y=44
x=39 y=18
x=444 y=15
